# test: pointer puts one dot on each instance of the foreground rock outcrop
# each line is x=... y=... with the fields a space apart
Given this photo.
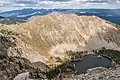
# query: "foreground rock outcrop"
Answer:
x=98 y=74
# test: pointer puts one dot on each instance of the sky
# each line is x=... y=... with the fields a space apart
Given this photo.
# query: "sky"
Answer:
x=64 y=4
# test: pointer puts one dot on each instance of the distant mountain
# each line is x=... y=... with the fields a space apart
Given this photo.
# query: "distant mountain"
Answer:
x=112 y=15
x=10 y=21
x=24 y=14
x=1 y=17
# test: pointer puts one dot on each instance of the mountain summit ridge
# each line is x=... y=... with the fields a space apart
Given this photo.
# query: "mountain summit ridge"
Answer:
x=52 y=35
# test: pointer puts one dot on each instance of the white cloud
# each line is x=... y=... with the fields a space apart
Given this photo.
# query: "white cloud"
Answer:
x=61 y=3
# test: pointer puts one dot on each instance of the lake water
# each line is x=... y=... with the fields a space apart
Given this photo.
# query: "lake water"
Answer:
x=91 y=61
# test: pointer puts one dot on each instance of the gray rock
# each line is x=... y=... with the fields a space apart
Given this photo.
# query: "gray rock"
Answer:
x=98 y=74
x=22 y=76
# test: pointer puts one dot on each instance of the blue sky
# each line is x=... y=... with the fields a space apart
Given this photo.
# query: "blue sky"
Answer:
x=20 y=4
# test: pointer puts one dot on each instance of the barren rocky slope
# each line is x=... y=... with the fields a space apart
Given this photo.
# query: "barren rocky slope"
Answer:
x=99 y=74
x=45 y=37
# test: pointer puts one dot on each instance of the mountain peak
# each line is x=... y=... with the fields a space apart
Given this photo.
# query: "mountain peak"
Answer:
x=52 y=35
